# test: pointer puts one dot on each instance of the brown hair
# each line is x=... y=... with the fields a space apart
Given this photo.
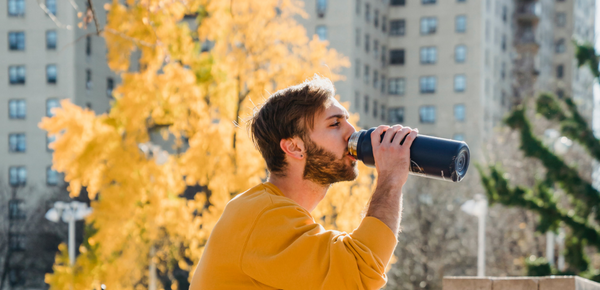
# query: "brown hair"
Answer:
x=286 y=114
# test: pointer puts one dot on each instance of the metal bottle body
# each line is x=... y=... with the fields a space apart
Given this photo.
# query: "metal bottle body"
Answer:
x=431 y=157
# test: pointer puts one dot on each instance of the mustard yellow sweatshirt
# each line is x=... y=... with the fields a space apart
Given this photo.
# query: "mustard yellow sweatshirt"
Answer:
x=265 y=240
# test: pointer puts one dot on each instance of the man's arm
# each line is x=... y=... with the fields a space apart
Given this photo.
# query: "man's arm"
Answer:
x=288 y=250
x=392 y=161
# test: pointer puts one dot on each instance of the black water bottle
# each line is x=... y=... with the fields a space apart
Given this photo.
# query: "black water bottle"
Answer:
x=431 y=157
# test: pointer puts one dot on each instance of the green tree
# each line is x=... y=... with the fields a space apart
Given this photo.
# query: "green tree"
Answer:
x=579 y=211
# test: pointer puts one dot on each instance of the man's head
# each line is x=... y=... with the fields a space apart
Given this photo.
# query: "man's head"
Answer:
x=304 y=124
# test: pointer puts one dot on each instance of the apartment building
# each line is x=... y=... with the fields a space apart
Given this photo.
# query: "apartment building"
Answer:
x=359 y=30
x=44 y=58
x=573 y=20
x=453 y=68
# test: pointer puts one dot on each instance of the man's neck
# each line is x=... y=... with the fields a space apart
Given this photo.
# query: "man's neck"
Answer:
x=304 y=192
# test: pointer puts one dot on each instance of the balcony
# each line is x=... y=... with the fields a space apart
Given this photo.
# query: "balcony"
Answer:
x=528 y=11
x=525 y=37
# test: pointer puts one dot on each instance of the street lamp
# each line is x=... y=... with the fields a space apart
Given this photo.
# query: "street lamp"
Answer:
x=478 y=207
x=69 y=212
x=559 y=145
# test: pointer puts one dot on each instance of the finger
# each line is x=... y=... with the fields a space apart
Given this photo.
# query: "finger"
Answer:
x=401 y=135
x=410 y=138
x=389 y=135
x=375 y=135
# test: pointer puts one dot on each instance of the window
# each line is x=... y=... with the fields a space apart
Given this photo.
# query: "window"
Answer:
x=460 y=53
x=357 y=68
x=88 y=45
x=375 y=108
x=51 y=176
x=376 y=18
x=51 y=39
x=383 y=54
x=356 y=100
x=16 y=74
x=16 y=7
x=376 y=79
x=383 y=23
x=16 y=142
x=367 y=43
x=110 y=85
x=461 y=1
x=397 y=56
x=560 y=93
x=427 y=85
x=382 y=84
x=459 y=137
x=397 y=86
x=366 y=104
x=16 y=40
x=376 y=48
x=461 y=23
x=367 y=12
x=427 y=114
x=321 y=7
x=503 y=71
x=16 y=242
x=504 y=13
x=17 y=175
x=49 y=140
x=51 y=5
x=51 y=104
x=460 y=83
x=459 y=113
x=426 y=2
x=15 y=209
x=396 y=115
x=322 y=32
x=428 y=55
x=88 y=79
x=51 y=73
x=357 y=7
x=561 y=19
x=366 y=76
x=15 y=277
x=398 y=27
x=383 y=113
x=17 y=109
x=398 y=2
x=357 y=37
x=559 y=71
x=560 y=46
x=503 y=44
x=428 y=25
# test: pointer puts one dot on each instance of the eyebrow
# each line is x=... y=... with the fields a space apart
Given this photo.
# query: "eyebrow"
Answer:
x=338 y=116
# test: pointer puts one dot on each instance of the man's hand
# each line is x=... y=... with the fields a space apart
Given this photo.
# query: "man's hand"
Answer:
x=392 y=161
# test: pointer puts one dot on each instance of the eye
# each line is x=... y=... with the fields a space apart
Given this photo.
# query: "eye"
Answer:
x=336 y=124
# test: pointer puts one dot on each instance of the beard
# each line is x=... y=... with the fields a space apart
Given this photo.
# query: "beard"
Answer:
x=324 y=168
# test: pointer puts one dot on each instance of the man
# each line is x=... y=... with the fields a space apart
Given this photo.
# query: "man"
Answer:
x=266 y=237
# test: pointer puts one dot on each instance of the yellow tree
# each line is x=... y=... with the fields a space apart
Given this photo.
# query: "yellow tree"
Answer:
x=197 y=98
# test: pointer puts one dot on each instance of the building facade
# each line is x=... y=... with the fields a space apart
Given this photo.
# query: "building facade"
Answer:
x=44 y=58
x=454 y=68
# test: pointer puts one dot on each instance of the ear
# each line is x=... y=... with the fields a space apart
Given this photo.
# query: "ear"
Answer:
x=293 y=147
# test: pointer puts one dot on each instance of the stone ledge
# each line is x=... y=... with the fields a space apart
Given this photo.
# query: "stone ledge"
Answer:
x=519 y=283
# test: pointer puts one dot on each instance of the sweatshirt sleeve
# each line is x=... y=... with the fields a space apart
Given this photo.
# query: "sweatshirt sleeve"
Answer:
x=288 y=250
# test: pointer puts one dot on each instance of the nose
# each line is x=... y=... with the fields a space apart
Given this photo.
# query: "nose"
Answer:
x=349 y=131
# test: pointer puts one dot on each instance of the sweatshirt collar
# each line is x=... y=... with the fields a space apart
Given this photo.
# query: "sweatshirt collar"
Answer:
x=273 y=189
